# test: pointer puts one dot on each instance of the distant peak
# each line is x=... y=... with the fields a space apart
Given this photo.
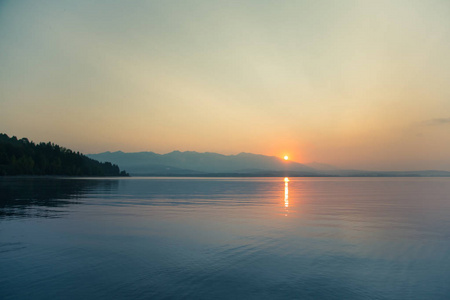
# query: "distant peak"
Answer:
x=246 y=154
x=182 y=152
x=252 y=154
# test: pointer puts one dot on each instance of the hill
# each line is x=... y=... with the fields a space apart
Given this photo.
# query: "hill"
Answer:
x=22 y=157
x=194 y=163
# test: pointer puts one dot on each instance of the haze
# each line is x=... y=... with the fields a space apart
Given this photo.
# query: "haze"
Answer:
x=357 y=84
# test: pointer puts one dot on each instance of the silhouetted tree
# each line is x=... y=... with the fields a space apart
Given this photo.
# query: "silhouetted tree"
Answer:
x=22 y=157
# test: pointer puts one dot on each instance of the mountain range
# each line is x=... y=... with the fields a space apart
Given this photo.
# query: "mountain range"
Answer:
x=191 y=163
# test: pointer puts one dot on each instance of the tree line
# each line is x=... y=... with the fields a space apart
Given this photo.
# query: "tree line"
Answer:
x=24 y=157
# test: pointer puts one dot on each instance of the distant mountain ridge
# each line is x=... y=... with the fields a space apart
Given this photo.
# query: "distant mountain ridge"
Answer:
x=191 y=163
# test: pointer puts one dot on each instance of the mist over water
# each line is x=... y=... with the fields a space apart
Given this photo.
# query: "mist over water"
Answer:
x=222 y=238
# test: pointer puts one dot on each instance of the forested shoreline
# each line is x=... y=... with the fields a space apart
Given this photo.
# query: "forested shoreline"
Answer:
x=24 y=157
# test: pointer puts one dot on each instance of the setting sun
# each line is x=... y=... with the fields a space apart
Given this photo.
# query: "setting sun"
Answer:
x=286 y=157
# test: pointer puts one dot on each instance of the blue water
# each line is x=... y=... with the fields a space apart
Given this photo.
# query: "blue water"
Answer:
x=225 y=238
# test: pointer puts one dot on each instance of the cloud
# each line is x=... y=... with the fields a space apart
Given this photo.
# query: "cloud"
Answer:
x=437 y=121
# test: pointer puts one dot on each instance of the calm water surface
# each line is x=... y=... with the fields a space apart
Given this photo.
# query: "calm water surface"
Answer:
x=225 y=238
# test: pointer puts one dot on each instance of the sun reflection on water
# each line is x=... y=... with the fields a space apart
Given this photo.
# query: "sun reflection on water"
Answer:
x=286 y=192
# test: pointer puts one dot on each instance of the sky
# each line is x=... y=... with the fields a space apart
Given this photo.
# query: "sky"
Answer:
x=356 y=84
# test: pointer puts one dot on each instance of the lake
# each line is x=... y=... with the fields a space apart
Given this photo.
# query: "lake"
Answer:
x=225 y=238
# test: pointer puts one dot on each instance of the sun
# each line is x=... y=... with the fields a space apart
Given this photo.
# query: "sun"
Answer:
x=286 y=157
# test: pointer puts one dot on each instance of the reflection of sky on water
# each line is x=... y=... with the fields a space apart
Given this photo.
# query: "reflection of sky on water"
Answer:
x=226 y=238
